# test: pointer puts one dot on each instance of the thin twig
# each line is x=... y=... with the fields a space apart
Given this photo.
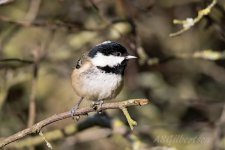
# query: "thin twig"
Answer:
x=52 y=25
x=32 y=103
x=14 y=63
x=32 y=100
x=189 y=22
x=130 y=121
x=82 y=111
x=16 y=60
x=52 y=135
x=216 y=134
x=33 y=11
x=47 y=143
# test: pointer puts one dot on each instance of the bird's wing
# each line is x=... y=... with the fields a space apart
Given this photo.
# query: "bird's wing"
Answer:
x=81 y=60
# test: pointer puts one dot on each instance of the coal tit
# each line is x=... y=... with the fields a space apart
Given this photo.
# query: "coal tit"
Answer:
x=98 y=74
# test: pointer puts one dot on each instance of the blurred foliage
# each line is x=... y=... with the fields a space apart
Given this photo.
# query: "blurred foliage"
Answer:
x=183 y=76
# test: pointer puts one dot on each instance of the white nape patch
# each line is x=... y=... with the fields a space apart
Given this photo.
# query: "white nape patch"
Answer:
x=105 y=42
x=103 y=60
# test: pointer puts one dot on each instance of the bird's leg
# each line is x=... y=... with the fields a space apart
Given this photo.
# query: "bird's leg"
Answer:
x=100 y=106
x=74 y=109
x=97 y=105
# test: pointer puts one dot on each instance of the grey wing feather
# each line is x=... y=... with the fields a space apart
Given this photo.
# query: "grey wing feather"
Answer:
x=80 y=61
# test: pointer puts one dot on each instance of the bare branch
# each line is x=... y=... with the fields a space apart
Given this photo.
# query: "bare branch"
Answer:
x=109 y=127
x=33 y=11
x=16 y=60
x=216 y=134
x=189 y=22
x=14 y=63
x=82 y=111
x=32 y=101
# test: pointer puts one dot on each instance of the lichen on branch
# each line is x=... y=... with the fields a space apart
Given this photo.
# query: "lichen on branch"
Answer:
x=189 y=22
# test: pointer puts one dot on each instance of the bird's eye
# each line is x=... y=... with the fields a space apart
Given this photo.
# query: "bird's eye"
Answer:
x=117 y=54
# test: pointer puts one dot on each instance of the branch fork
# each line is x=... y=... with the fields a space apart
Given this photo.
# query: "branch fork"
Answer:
x=36 y=128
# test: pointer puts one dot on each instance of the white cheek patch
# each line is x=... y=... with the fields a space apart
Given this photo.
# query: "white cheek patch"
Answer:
x=103 y=60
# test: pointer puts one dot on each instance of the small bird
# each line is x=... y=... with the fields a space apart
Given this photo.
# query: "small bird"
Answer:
x=98 y=75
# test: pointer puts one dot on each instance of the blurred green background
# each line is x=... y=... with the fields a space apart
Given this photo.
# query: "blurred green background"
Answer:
x=183 y=76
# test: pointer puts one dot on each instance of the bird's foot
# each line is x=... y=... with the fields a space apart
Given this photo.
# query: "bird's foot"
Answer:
x=73 y=113
x=97 y=105
x=74 y=109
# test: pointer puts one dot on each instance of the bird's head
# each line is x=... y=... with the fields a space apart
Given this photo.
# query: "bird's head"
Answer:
x=110 y=57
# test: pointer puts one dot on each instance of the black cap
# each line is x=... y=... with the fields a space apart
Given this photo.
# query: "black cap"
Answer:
x=108 y=48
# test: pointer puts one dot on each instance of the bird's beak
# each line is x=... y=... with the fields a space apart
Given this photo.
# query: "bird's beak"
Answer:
x=130 y=57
